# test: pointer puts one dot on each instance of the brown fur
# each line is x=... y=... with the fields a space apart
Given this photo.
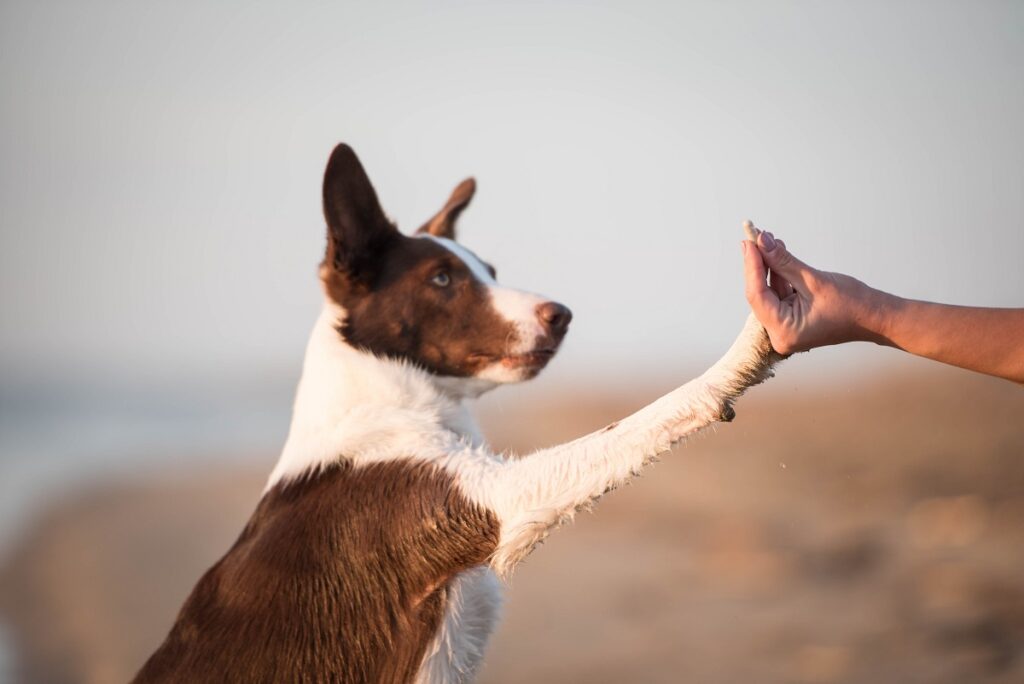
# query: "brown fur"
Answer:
x=384 y=281
x=442 y=224
x=339 y=577
x=400 y=313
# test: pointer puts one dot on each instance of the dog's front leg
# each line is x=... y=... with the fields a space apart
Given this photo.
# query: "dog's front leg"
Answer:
x=535 y=494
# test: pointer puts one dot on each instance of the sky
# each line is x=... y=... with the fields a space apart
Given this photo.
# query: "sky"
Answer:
x=160 y=163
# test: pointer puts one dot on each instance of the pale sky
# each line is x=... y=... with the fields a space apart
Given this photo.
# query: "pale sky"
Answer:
x=160 y=163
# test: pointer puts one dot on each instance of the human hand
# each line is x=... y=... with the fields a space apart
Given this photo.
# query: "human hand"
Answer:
x=800 y=306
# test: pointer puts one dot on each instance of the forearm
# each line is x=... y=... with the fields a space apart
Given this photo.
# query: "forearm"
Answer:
x=985 y=340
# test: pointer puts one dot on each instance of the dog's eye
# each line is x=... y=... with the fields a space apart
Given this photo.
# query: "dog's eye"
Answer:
x=441 y=279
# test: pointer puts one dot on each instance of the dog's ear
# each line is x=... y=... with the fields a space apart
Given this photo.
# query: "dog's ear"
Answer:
x=357 y=229
x=443 y=223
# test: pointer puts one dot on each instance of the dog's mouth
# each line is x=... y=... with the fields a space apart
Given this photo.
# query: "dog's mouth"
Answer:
x=538 y=358
x=533 y=360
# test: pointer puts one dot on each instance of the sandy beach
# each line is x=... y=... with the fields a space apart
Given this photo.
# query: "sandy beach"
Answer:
x=864 y=533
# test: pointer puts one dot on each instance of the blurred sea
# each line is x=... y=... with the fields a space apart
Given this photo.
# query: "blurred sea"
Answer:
x=57 y=438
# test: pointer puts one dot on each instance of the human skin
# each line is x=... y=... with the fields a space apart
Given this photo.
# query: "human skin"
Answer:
x=802 y=307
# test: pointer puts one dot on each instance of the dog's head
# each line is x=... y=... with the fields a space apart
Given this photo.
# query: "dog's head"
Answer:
x=426 y=299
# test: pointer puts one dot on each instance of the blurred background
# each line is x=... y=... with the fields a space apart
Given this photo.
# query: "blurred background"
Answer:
x=160 y=167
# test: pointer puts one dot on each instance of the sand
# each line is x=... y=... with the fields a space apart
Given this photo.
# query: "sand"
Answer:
x=837 y=534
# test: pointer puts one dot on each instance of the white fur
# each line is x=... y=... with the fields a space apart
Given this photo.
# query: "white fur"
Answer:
x=472 y=609
x=476 y=267
x=353 y=404
x=539 y=492
x=515 y=306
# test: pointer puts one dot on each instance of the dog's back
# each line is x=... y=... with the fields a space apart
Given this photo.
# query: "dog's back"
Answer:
x=323 y=585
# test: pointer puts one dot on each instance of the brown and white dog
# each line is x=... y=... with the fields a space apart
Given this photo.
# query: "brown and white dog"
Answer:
x=376 y=550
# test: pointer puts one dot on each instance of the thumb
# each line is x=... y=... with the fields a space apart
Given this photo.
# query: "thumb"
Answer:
x=780 y=261
x=762 y=299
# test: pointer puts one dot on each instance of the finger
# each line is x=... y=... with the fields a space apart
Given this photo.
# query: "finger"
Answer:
x=782 y=287
x=762 y=299
x=785 y=286
x=780 y=260
x=750 y=231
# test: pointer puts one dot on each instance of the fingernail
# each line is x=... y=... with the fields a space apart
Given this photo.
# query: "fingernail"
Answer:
x=767 y=241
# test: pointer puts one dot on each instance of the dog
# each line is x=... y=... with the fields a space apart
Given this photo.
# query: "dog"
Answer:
x=377 y=550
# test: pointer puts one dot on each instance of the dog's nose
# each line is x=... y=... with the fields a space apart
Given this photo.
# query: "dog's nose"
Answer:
x=554 y=317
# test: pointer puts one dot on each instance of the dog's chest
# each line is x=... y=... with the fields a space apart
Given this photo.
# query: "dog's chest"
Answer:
x=472 y=609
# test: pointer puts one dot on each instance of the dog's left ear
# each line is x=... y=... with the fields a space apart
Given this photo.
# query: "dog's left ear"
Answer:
x=357 y=229
x=443 y=222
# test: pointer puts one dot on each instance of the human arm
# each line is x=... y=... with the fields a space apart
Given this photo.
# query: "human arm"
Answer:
x=802 y=308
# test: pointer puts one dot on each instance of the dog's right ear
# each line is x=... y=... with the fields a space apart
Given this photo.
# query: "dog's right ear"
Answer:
x=443 y=222
x=357 y=229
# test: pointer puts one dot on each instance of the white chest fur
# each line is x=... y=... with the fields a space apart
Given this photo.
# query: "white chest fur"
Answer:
x=472 y=609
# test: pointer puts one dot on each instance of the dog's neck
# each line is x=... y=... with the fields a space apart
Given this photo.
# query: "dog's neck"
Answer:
x=353 y=405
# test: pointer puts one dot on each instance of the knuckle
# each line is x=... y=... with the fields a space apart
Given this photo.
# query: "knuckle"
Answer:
x=784 y=342
x=783 y=348
x=783 y=258
x=820 y=283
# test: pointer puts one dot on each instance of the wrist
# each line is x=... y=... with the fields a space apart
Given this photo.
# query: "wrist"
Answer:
x=877 y=314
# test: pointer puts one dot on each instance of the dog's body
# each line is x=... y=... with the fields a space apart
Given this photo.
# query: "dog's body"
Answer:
x=376 y=550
